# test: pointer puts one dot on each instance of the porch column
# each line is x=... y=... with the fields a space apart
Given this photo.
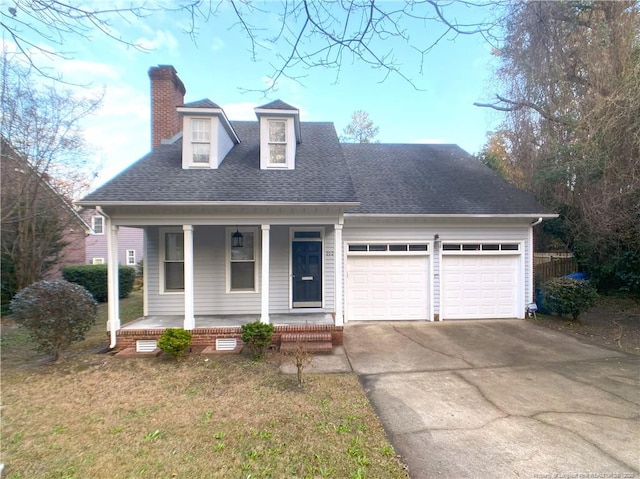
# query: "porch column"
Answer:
x=189 y=318
x=339 y=276
x=264 y=316
x=113 y=304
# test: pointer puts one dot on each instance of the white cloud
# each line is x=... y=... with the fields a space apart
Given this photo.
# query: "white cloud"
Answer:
x=159 y=39
x=82 y=71
x=217 y=44
x=240 y=111
x=119 y=132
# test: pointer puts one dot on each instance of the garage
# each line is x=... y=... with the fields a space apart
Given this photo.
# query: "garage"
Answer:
x=387 y=282
x=480 y=281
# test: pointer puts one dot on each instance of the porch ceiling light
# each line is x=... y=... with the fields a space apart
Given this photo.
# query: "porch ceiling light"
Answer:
x=237 y=240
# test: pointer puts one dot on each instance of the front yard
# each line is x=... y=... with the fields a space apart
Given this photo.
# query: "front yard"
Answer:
x=99 y=416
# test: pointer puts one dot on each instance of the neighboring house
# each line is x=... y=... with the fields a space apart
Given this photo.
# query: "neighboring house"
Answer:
x=130 y=241
x=34 y=217
x=276 y=220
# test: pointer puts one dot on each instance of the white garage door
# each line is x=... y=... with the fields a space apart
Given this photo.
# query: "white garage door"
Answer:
x=387 y=287
x=478 y=286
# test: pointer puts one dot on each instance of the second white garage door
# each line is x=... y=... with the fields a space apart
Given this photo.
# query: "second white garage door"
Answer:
x=387 y=288
x=479 y=286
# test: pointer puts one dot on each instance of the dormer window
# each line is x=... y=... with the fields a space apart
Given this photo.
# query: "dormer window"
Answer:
x=279 y=135
x=200 y=140
x=278 y=142
x=207 y=135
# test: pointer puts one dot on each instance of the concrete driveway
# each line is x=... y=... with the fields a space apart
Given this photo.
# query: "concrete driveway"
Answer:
x=499 y=399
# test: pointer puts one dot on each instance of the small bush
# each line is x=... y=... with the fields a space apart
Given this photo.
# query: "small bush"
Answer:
x=94 y=278
x=175 y=341
x=56 y=314
x=257 y=336
x=569 y=296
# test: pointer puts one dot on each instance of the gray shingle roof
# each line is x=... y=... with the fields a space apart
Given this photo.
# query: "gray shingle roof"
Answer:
x=321 y=174
x=430 y=179
x=204 y=103
x=278 y=105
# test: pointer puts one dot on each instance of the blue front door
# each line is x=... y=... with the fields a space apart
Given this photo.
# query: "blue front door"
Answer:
x=307 y=274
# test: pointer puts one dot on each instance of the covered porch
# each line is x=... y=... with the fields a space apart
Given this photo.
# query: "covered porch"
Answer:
x=286 y=270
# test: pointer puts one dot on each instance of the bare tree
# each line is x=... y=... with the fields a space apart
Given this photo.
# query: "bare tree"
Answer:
x=304 y=34
x=571 y=93
x=360 y=130
x=44 y=163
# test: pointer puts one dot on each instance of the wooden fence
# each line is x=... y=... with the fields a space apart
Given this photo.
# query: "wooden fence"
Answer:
x=555 y=269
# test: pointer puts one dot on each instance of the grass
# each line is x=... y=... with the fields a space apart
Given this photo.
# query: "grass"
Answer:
x=100 y=416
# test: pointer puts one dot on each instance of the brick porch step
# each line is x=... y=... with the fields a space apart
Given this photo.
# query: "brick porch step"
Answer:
x=312 y=346
x=305 y=337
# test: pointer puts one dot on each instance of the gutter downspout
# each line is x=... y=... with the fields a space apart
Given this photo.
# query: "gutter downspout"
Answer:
x=112 y=314
x=532 y=292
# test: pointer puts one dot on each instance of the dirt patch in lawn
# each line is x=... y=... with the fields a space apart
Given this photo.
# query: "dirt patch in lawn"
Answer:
x=614 y=323
x=101 y=416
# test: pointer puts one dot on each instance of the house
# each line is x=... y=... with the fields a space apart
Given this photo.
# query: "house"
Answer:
x=41 y=231
x=276 y=220
x=130 y=241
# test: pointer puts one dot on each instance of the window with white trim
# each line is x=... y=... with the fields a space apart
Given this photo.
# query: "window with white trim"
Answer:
x=242 y=262
x=131 y=257
x=477 y=247
x=97 y=225
x=390 y=248
x=172 y=260
x=277 y=142
x=200 y=141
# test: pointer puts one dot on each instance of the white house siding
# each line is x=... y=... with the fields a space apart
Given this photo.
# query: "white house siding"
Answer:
x=279 y=270
x=329 y=269
x=224 y=143
x=160 y=304
x=210 y=273
x=128 y=238
x=423 y=230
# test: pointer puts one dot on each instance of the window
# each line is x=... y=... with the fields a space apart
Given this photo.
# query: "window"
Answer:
x=200 y=140
x=131 y=257
x=97 y=260
x=389 y=248
x=277 y=142
x=173 y=261
x=242 y=263
x=97 y=225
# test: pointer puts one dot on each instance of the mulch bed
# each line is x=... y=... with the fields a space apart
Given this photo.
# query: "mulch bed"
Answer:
x=614 y=323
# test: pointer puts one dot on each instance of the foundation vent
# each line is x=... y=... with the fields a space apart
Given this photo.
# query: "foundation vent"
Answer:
x=146 y=345
x=226 y=344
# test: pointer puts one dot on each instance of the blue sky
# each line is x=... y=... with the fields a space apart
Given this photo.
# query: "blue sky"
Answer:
x=218 y=66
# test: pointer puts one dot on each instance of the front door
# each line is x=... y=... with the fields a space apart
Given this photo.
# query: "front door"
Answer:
x=307 y=274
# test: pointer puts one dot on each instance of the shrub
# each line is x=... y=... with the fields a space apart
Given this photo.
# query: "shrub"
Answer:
x=257 y=336
x=56 y=314
x=175 y=341
x=94 y=278
x=569 y=296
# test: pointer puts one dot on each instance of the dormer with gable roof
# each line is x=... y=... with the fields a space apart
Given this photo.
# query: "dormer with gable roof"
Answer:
x=279 y=135
x=207 y=134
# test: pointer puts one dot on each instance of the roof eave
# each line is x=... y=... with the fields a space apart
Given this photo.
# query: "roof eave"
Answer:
x=449 y=215
x=86 y=203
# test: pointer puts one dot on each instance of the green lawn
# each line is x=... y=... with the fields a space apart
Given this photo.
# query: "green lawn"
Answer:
x=94 y=415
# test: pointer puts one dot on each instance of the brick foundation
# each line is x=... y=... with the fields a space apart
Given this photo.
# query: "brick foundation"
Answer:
x=206 y=337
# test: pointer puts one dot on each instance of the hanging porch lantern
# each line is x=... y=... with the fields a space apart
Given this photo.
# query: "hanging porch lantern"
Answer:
x=237 y=240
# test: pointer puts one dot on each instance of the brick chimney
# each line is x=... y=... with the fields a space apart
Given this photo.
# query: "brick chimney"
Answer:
x=167 y=92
